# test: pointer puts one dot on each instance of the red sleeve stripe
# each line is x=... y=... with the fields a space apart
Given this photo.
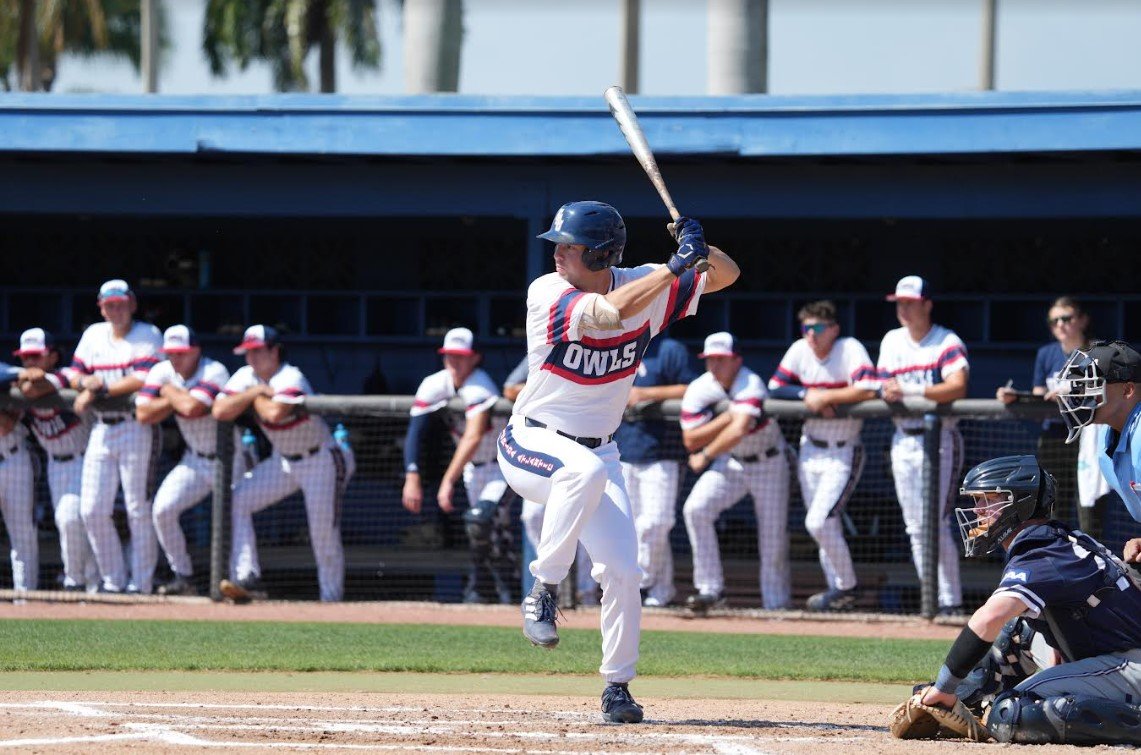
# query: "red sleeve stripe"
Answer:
x=557 y=321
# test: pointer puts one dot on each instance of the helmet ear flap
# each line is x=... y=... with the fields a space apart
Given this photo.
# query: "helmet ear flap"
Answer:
x=1047 y=494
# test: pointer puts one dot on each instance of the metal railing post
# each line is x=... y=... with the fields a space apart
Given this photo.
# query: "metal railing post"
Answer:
x=932 y=517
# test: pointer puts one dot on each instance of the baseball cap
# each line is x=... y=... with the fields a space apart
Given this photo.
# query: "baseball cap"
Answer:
x=178 y=339
x=911 y=287
x=257 y=337
x=115 y=290
x=719 y=345
x=1117 y=361
x=34 y=341
x=458 y=341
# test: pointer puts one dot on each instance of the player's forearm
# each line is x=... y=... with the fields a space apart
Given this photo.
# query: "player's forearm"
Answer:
x=511 y=392
x=37 y=388
x=153 y=411
x=465 y=449
x=723 y=271
x=124 y=387
x=699 y=437
x=943 y=393
x=849 y=395
x=661 y=392
x=186 y=405
x=635 y=296
x=726 y=440
x=273 y=412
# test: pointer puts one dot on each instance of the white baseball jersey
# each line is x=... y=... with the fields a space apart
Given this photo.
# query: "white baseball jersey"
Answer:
x=847 y=364
x=579 y=379
x=99 y=353
x=935 y=358
x=746 y=395
x=200 y=433
x=60 y=432
x=300 y=433
x=479 y=394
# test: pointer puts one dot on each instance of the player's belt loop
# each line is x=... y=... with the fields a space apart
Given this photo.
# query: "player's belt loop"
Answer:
x=302 y=455
x=63 y=457
x=825 y=444
x=588 y=442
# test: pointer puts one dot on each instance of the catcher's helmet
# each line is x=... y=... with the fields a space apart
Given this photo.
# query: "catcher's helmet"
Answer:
x=1006 y=492
x=1082 y=380
x=595 y=225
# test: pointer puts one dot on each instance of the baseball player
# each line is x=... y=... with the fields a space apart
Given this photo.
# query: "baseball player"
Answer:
x=304 y=458
x=112 y=359
x=16 y=492
x=929 y=361
x=651 y=478
x=487 y=519
x=741 y=451
x=588 y=325
x=825 y=371
x=63 y=435
x=1057 y=582
x=184 y=385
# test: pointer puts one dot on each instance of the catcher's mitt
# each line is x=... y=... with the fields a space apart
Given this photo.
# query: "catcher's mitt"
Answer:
x=914 y=720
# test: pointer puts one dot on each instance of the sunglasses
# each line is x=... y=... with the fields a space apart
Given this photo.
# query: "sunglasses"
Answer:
x=817 y=328
x=1059 y=320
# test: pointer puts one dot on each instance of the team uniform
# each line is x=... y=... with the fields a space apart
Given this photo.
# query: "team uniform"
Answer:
x=16 y=499
x=304 y=458
x=493 y=560
x=651 y=475
x=120 y=448
x=63 y=435
x=938 y=355
x=831 y=455
x=193 y=477
x=558 y=448
x=758 y=465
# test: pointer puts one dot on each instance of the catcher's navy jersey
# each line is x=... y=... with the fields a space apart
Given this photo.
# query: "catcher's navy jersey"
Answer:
x=1077 y=594
x=668 y=364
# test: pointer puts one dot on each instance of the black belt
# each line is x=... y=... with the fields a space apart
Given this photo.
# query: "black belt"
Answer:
x=302 y=455
x=751 y=458
x=912 y=430
x=63 y=457
x=207 y=457
x=478 y=464
x=825 y=444
x=588 y=442
x=112 y=420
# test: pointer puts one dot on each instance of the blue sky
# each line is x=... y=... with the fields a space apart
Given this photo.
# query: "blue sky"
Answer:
x=550 y=47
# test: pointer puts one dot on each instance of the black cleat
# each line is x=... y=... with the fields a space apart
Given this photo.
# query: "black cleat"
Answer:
x=180 y=585
x=832 y=601
x=703 y=601
x=539 y=609
x=618 y=705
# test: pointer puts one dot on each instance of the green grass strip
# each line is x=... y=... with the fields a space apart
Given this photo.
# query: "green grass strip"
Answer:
x=53 y=645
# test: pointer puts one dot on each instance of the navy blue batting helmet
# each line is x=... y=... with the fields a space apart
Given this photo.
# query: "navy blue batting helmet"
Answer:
x=595 y=225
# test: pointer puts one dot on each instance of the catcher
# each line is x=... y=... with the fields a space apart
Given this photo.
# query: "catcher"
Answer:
x=1058 y=582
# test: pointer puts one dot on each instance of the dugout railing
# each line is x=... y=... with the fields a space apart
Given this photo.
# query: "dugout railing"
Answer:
x=392 y=554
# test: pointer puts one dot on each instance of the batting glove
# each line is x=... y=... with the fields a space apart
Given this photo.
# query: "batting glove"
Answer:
x=691 y=248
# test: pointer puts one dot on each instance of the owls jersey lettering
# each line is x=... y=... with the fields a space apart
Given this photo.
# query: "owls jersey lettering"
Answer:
x=99 y=353
x=578 y=379
x=746 y=396
x=847 y=364
x=479 y=394
x=60 y=432
x=935 y=358
x=298 y=433
x=200 y=433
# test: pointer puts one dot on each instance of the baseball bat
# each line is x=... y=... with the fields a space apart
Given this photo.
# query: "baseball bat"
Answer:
x=632 y=130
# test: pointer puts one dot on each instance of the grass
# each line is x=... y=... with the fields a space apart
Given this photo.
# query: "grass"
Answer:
x=53 y=645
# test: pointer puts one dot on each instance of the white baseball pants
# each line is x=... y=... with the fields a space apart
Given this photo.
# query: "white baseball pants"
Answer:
x=828 y=477
x=65 y=479
x=532 y=518
x=17 y=505
x=321 y=478
x=126 y=451
x=584 y=498
x=724 y=483
x=191 y=480
x=907 y=469
x=652 y=487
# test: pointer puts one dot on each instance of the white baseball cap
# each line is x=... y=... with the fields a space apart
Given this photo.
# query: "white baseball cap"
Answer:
x=178 y=339
x=115 y=290
x=458 y=341
x=719 y=345
x=34 y=341
x=257 y=337
x=911 y=288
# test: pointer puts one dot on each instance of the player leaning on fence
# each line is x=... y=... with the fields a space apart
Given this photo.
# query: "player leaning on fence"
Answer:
x=588 y=324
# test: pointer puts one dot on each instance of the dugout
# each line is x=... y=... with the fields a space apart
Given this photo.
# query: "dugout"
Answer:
x=365 y=227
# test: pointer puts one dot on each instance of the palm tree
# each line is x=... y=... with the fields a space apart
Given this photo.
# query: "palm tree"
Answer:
x=283 y=32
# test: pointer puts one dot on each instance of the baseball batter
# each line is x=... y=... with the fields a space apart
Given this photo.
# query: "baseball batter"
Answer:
x=112 y=359
x=304 y=458
x=487 y=519
x=63 y=435
x=929 y=361
x=824 y=370
x=588 y=325
x=184 y=385
x=741 y=451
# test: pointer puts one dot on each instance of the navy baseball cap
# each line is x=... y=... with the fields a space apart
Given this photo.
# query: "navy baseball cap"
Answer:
x=911 y=288
x=257 y=337
x=1117 y=361
x=35 y=342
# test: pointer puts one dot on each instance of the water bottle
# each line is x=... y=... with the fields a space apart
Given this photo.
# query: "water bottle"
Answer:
x=341 y=436
x=249 y=450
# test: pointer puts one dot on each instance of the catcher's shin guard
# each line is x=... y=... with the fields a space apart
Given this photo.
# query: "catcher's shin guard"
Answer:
x=1064 y=719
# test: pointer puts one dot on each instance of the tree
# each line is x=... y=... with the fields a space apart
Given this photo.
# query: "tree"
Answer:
x=284 y=32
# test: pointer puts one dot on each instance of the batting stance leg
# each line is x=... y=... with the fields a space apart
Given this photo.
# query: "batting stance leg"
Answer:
x=17 y=504
x=827 y=479
x=722 y=485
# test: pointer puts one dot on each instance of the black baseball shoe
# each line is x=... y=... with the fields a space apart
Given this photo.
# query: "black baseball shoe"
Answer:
x=618 y=705
x=832 y=601
x=951 y=611
x=703 y=601
x=179 y=585
x=243 y=590
x=539 y=610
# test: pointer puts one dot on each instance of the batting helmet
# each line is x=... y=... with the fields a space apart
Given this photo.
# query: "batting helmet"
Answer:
x=1006 y=492
x=595 y=225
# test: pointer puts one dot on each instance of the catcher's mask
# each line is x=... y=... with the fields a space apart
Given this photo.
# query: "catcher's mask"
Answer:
x=1005 y=492
x=1082 y=380
x=595 y=225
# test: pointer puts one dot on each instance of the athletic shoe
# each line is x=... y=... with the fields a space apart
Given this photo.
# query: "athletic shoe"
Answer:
x=950 y=611
x=243 y=590
x=180 y=585
x=539 y=610
x=703 y=601
x=832 y=601
x=618 y=705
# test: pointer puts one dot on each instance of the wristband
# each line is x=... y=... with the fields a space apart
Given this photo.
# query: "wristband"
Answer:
x=946 y=682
